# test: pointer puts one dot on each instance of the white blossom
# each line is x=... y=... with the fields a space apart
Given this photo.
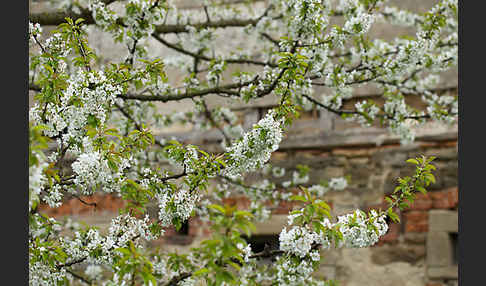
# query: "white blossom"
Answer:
x=256 y=146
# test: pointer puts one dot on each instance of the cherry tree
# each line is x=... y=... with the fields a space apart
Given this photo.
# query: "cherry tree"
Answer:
x=103 y=117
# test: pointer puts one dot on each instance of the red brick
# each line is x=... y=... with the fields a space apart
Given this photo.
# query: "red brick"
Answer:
x=392 y=235
x=105 y=202
x=197 y=226
x=421 y=202
x=416 y=221
x=438 y=144
x=453 y=196
x=417 y=227
x=241 y=203
x=206 y=231
x=446 y=199
x=284 y=207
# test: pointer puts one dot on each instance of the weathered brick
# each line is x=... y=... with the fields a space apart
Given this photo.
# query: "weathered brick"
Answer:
x=284 y=207
x=240 y=202
x=445 y=199
x=310 y=154
x=73 y=206
x=416 y=221
x=195 y=224
x=422 y=202
x=352 y=152
x=392 y=235
x=416 y=227
x=279 y=156
x=453 y=196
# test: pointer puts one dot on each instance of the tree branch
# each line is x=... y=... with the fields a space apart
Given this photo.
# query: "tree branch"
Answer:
x=225 y=89
x=208 y=59
x=58 y=17
x=174 y=281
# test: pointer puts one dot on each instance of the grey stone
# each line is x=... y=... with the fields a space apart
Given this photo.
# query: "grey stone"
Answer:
x=443 y=220
x=442 y=153
x=359 y=161
x=331 y=172
x=415 y=237
x=439 y=249
x=393 y=253
x=447 y=272
x=326 y=272
x=272 y=226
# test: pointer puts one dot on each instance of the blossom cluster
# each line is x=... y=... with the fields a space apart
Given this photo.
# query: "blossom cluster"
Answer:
x=179 y=205
x=359 y=230
x=37 y=180
x=290 y=272
x=86 y=99
x=92 y=247
x=34 y=30
x=256 y=146
x=300 y=240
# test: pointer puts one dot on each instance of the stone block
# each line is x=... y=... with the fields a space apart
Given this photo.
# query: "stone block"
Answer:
x=448 y=272
x=327 y=272
x=332 y=172
x=326 y=120
x=398 y=253
x=359 y=161
x=415 y=237
x=250 y=118
x=442 y=153
x=443 y=220
x=273 y=226
x=439 y=249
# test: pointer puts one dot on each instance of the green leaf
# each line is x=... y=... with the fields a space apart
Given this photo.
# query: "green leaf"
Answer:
x=298 y=198
x=421 y=189
x=413 y=161
x=200 y=272
x=217 y=207
x=430 y=178
x=393 y=216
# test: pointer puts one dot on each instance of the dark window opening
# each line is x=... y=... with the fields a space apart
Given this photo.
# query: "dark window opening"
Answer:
x=455 y=249
x=181 y=236
x=258 y=242
x=184 y=230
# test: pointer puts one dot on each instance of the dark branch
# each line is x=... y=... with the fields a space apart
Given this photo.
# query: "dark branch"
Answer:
x=202 y=57
x=177 y=279
x=225 y=89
